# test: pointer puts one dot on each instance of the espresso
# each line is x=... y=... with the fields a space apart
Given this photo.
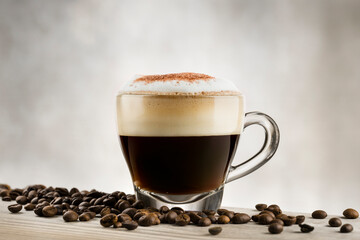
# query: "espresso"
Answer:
x=179 y=164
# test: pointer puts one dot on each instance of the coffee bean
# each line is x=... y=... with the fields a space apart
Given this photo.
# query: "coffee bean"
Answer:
x=305 y=228
x=108 y=220
x=164 y=209
x=203 y=222
x=123 y=217
x=201 y=214
x=229 y=214
x=70 y=216
x=4 y=193
x=14 y=194
x=138 y=215
x=274 y=209
x=275 y=228
x=260 y=206
x=29 y=207
x=240 y=218
x=4 y=186
x=255 y=218
x=124 y=205
x=35 y=200
x=209 y=212
x=95 y=194
x=278 y=221
x=267 y=212
x=289 y=220
x=110 y=201
x=138 y=204
x=86 y=216
x=171 y=216
x=351 y=213
x=319 y=214
x=194 y=217
x=182 y=219
x=96 y=209
x=130 y=225
x=73 y=190
x=222 y=211
x=130 y=211
x=265 y=219
x=105 y=211
x=215 y=230
x=223 y=219
x=117 y=225
x=49 y=211
x=178 y=210
x=147 y=220
x=212 y=218
x=152 y=209
x=300 y=219
x=346 y=228
x=15 y=208
x=335 y=222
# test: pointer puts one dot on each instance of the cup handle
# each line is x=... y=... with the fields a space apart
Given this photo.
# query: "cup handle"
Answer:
x=272 y=137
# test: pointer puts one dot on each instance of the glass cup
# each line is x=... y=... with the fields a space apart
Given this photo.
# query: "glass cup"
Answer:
x=179 y=148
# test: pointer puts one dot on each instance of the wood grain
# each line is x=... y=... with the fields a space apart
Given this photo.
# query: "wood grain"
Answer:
x=26 y=225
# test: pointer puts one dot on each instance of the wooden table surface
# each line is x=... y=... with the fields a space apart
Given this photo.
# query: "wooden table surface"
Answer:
x=26 y=225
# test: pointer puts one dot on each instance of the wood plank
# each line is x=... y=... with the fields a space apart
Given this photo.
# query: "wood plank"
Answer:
x=26 y=225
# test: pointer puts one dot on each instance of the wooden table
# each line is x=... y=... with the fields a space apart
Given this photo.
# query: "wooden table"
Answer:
x=26 y=225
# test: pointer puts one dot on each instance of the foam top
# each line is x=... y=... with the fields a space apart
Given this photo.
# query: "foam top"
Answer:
x=180 y=84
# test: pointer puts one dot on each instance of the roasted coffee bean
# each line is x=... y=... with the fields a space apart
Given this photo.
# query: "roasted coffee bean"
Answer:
x=300 y=219
x=108 y=220
x=4 y=193
x=171 y=216
x=319 y=214
x=62 y=191
x=96 y=209
x=194 y=217
x=123 y=217
x=59 y=209
x=100 y=200
x=73 y=190
x=223 y=219
x=124 y=205
x=267 y=212
x=41 y=200
x=240 y=218
x=117 y=225
x=162 y=218
x=275 y=228
x=229 y=214
x=182 y=219
x=278 y=221
x=130 y=225
x=35 y=200
x=38 y=210
x=76 y=201
x=110 y=201
x=265 y=219
x=114 y=211
x=49 y=211
x=32 y=194
x=84 y=204
x=209 y=212
x=4 y=186
x=305 y=228
x=92 y=201
x=201 y=214
x=15 y=208
x=29 y=207
x=335 y=222
x=255 y=218
x=95 y=194
x=274 y=209
x=260 y=206
x=57 y=200
x=130 y=211
x=222 y=211
x=105 y=211
x=131 y=200
x=212 y=218
x=152 y=209
x=280 y=216
x=204 y=222
x=138 y=204
x=178 y=210
x=215 y=230
x=138 y=215
x=70 y=216
x=351 y=213
x=289 y=220
x=346 y=228
x=147 y=220
x=85 y=216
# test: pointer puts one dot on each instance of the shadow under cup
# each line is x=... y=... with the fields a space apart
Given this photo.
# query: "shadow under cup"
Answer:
x=179 y=148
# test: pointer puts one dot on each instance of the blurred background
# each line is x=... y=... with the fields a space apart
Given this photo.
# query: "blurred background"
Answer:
x=63 y=62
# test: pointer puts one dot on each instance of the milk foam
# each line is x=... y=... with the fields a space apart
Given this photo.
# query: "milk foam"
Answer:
x=180 y=83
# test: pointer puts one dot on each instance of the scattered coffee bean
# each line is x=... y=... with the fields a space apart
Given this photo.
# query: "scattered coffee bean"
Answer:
x=278 y=221
x=255 y=218
x=265 y=219
x=4 y=186
x=346 y=228
x=170 y=217
x=351 y=213
x=289 y=220
x=164 y=209
x=300 y=219
x=130 y=211
x=240 y=218
x=223 y=219
x=15 y=208
x=138 y=204
x=117 y=225
x=204 y=222
x=49 y=211
x=305 y=228
x=209 y=212
x=123 y=217
x=260 y=206
x=212 y=218
x=4 y=193
x=335 y=222
x=29 y=207
x=274 y=209
x=147 y=220
x=267 y=212
x=319 y=214
x=275 y=228
x=70 y=216
x=215 y=230
x=105 y=211
x=108 y=220
x=85 y=216
x=130 y=225
x=222 y=211
x=182 y=219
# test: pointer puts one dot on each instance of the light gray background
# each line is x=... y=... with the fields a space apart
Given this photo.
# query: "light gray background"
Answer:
x=62 y=63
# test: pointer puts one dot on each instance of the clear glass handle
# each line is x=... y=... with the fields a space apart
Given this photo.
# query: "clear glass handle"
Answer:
x=272 y=137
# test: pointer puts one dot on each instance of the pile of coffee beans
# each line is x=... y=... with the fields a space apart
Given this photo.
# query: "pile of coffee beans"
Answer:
x=120 y=210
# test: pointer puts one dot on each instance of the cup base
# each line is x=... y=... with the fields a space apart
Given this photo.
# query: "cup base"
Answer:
x=193 y=202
